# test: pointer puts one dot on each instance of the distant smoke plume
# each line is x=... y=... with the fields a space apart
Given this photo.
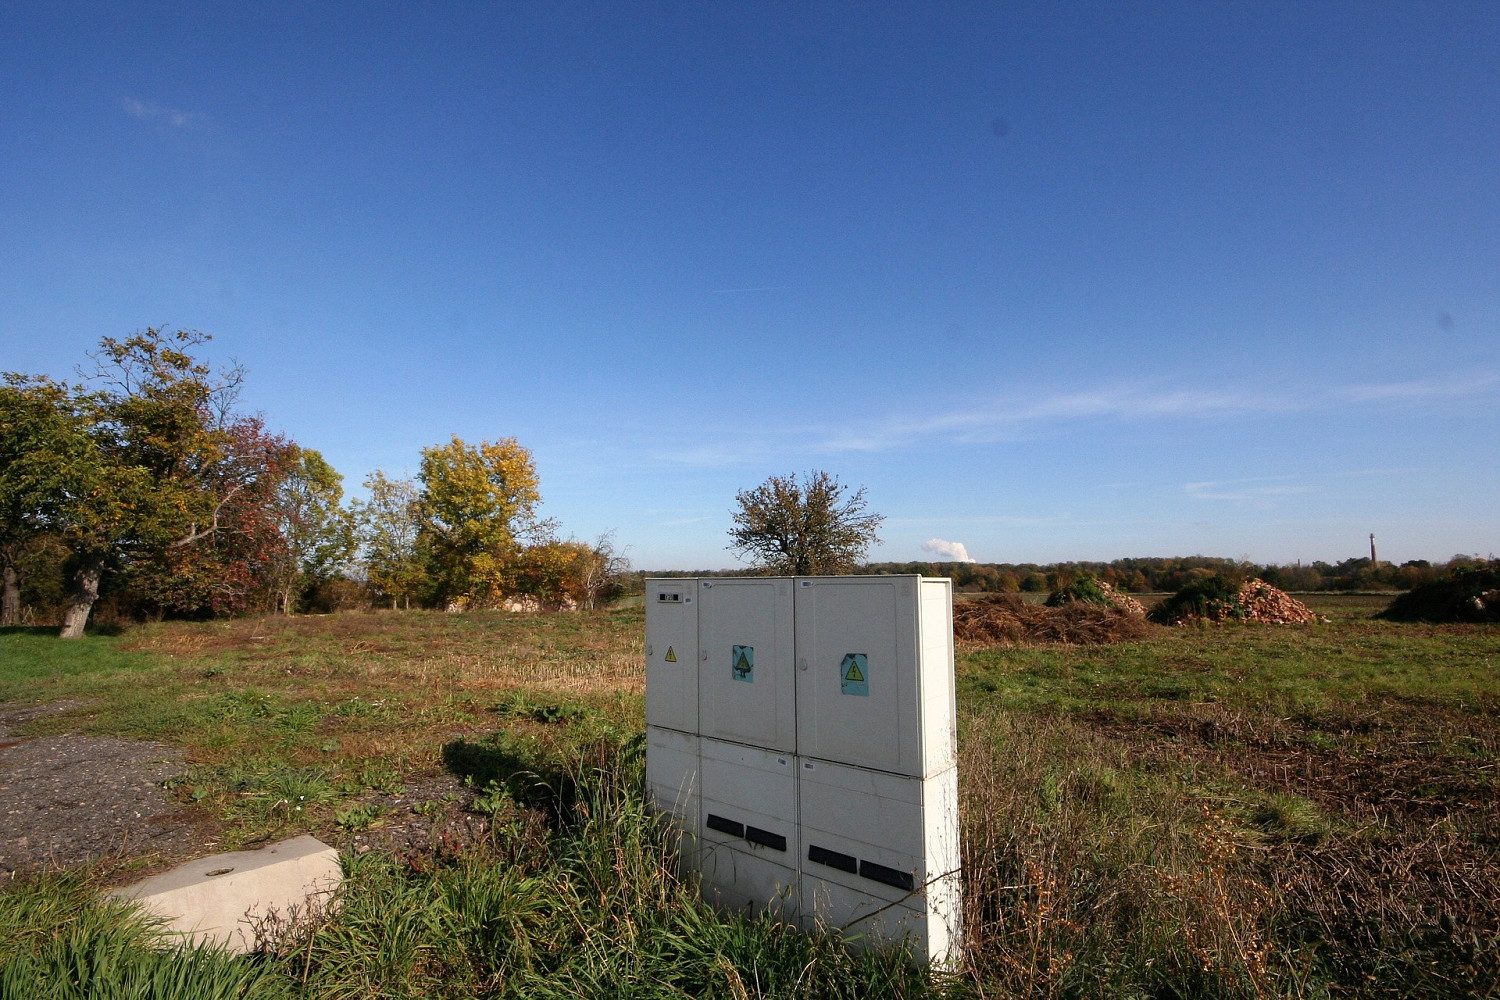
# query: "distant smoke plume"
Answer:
x=951 y=551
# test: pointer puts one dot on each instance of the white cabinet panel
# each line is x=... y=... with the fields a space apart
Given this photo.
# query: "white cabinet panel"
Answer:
x=672 y=654
x=748 y=826
x=880 y=855
x=801 y=734
x=746 y=684
x=672 y=780
x=874 y=672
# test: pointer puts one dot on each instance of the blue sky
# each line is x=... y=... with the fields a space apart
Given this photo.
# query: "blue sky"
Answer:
x=1052 y=281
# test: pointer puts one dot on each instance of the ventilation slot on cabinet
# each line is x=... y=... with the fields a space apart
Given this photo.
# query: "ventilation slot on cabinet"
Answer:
x=890 y=876
x=833 y=859
x=728 y=826
x=765 y=838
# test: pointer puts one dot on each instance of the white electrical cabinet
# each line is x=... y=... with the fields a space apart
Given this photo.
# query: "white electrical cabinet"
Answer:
x=875 y=672
x=748 y=827
x=801 y=733
x=746 y=688
x=880 y=855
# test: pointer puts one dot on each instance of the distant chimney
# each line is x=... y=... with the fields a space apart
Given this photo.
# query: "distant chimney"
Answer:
x=1374 y=562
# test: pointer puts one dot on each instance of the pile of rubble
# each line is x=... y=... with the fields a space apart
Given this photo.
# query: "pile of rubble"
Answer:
x=1007 y=620
x=1123 y=601
x=1261 y=602
x=1218 y=600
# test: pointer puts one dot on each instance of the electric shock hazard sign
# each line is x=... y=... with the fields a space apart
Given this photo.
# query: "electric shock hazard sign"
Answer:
x=742 y=663
x=854 y=675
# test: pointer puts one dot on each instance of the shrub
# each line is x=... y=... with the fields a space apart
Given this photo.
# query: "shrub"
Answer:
x=1085 y=589
x=1211 y=597
x=1468 y=594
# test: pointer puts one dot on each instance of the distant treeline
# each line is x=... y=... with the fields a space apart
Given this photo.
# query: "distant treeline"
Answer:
x=1154 y=574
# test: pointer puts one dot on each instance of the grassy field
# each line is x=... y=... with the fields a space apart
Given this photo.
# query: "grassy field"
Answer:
x=1242 y=811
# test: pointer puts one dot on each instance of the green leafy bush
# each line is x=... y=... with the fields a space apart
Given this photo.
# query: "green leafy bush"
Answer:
x=1213 y=598
x=1085 y=589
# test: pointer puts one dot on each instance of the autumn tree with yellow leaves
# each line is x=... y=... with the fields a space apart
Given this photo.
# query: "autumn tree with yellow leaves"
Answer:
x=476 y=516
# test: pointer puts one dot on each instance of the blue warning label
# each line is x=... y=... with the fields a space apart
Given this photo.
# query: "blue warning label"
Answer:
x=854 y=675
x=742 y=663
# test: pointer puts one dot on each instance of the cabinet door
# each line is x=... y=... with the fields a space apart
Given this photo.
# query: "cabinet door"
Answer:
x=857 y=672
x=672 y=654
x=746 y=682
x=748 y=830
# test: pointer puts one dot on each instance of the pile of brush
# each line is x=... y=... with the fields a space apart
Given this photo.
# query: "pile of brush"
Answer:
x=1006 y=620
x=1092 y=590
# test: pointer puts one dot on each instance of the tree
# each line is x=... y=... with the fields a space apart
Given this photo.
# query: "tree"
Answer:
x=569 y=574
x=120 y=471
x=39 y=433
x=544 y=571
x=234 y=568
x=386 y=528
x=596 y=572
x=478 y=509
x=799 y=529
x=317 y=533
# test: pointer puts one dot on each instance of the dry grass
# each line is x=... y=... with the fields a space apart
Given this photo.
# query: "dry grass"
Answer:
x=374 y=651
x=1084 y=876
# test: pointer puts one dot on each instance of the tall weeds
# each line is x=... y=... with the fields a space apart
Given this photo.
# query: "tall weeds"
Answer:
x=59 y=940
x=589 y=907
x=1084 y=877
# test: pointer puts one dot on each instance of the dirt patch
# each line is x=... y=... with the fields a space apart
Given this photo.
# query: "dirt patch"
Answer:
x=1392 y=767
x=432 y=814
x=1409 y=865
x=68 y=799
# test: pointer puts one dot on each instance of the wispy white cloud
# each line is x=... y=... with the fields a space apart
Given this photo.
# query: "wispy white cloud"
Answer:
x=1437 y=387
x=984 y=424
x=146 y=111
x=954 y=551
x=1244 y=490
x=733 y=446
x=1132 y=403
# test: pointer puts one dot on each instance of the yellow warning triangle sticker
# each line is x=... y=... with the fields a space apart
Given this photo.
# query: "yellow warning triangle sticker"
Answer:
x=671 y=656
x=854 y=674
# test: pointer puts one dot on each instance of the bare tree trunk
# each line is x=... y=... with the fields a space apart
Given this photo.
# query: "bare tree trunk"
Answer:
x=10 y=603
x=85 y=593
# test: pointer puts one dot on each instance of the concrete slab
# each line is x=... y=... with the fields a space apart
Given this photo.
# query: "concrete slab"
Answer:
x=220 y=898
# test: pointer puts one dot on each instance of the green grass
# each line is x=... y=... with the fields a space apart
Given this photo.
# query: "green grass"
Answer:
x=1287 y=669
x=34 y=664
x=255 y=702
x=60 y=940
x=1288 y=811
x=591 y=907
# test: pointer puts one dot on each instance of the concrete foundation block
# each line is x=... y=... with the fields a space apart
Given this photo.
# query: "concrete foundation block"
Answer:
x=219 y=899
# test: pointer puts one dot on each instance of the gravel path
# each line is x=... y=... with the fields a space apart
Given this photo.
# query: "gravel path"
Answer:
x=68 y=799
